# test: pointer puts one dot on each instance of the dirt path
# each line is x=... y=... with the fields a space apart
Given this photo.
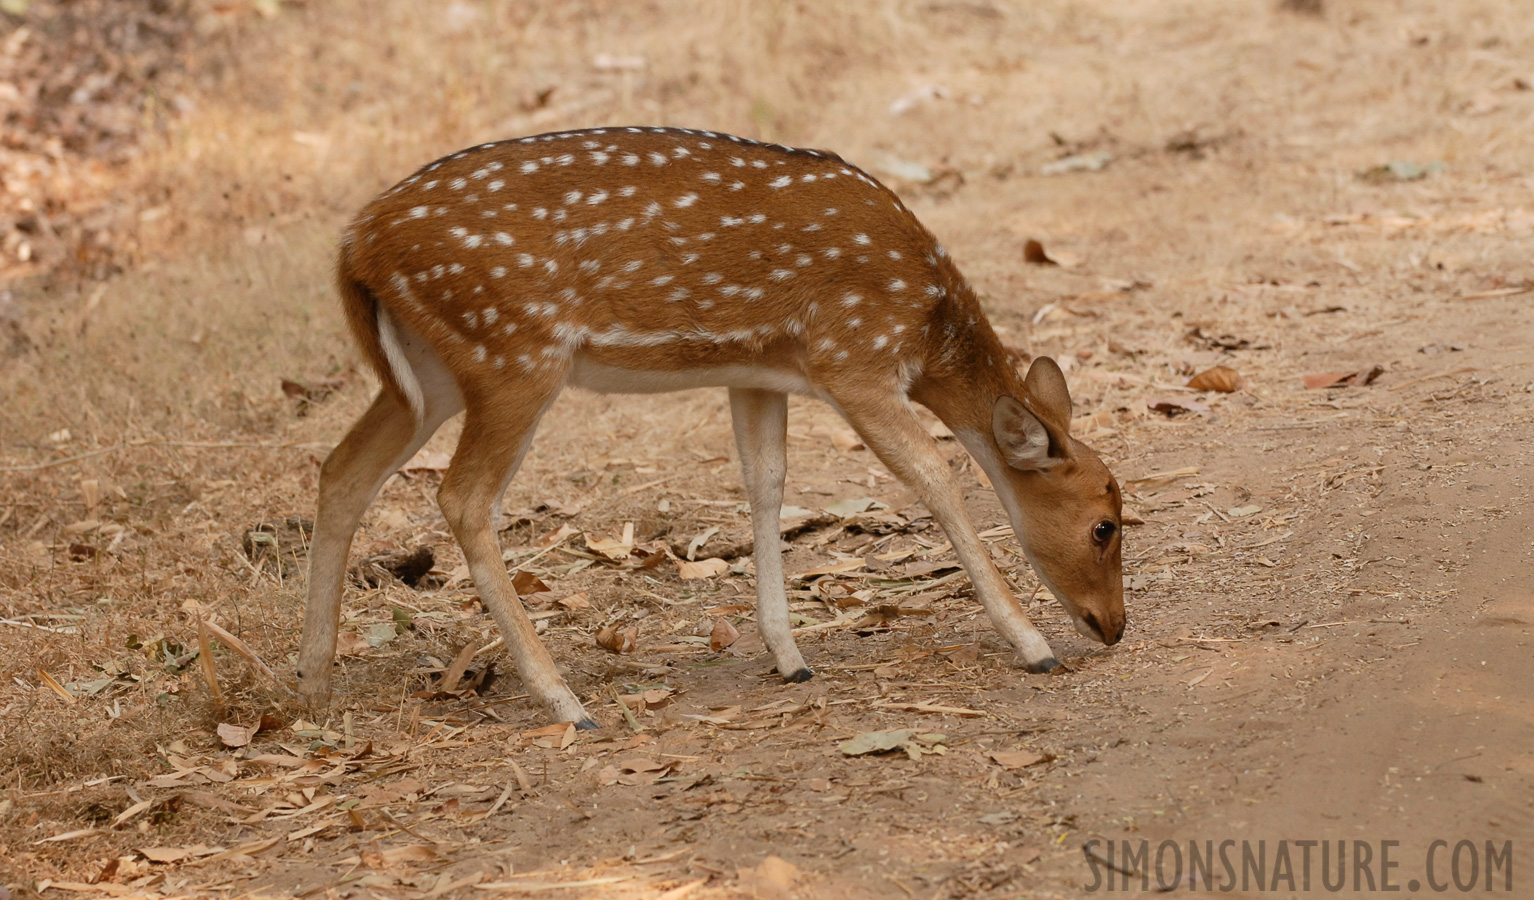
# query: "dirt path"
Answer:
x=1331 y=594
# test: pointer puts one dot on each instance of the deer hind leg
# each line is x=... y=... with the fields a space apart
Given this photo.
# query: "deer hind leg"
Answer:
x=892 y=431
x=761 y=423
x=495 y=439
x=384 y=438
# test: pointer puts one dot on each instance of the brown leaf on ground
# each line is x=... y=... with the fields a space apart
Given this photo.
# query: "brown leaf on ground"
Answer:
x=555 y=537
x=454 y=673
x=1198 y=338
x=723 y=635
x=580 y=600
x=616 y=550
x=703 y=568
x=1344 y=379
x=235 y=735
x=1018 y=759
x=614 y=640
x=1033 y=252
x=350 y=643
x=528 y=583
x=1174 y=407
x=1223 y=379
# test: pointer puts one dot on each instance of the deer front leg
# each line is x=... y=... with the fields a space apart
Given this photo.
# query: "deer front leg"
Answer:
x=890 y=429
x=490 y=450
x=761 y=423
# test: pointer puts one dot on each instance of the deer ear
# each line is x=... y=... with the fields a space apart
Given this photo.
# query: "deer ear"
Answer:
x=1028 y=443
x=1048 y=397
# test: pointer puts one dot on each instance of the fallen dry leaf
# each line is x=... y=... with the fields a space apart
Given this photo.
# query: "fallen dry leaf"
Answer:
x=875 y=742
x=1220 y=378
x=1344 y=379
x=235 y=735
x=613 y=640
x=1018 y=759
x=1172 y=407
x=1033 y=252
x=552 y=737
x=580 y=600
x=528 y=583
x=703 y=568
x=723 y=635
x=555 y=537
x=350 y=643
x=617 y=550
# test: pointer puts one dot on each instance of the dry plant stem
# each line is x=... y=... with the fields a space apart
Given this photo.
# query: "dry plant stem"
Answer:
x=209 y=670
x=240 y=648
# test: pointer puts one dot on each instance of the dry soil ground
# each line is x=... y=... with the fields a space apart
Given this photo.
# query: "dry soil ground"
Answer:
x=1331 y=595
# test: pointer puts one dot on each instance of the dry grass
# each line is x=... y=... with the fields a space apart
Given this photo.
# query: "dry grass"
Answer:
x=1237 y=129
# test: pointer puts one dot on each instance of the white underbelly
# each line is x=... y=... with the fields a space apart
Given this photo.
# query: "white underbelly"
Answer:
x=605 y=379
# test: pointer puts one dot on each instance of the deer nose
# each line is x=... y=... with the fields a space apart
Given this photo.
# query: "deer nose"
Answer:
x=1102 y=634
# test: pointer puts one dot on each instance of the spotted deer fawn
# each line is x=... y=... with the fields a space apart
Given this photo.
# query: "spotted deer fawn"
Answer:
x=640 y=260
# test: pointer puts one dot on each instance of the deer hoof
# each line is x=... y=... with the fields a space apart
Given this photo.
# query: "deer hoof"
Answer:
x=798 y=677
x=1044 y=666
x=587 y=724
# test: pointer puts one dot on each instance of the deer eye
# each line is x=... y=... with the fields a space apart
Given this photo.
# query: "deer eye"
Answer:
x=1103 y=531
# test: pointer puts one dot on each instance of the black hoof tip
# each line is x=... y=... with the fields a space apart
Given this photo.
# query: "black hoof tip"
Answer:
x=587 y=725
x=798 y=677
x=1045 y=666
